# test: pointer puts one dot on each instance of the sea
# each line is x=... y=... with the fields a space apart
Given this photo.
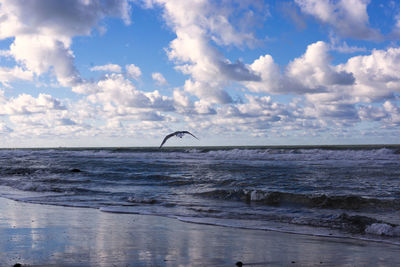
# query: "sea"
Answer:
x=332 y=191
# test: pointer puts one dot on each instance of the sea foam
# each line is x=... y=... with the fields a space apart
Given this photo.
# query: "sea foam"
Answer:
x=383 y=229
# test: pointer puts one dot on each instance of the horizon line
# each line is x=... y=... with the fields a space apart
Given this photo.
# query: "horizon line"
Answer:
x=210 y=146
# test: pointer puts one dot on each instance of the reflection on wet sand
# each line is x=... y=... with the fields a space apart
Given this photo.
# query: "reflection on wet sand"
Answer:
x=39 y=234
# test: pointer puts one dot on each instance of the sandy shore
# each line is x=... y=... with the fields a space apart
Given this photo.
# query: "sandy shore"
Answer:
x=41 y=235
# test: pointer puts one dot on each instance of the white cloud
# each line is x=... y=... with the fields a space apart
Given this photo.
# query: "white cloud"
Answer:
x=181 y=99
x=333 y=92
x=133 y=71
x=108 y=68
x=43 y=115
x=197 y=25
x=5 y=53
x=262 y=108
x=377 y=76
x=318 y=96
x=39 y=53
x=376 y=80
x=393 y=111
x=310 y=73
x=372 y=113
x=349 y=18
x=208 y=91
x=43 y=31
x=204 y=108
x=388 y=113
x=117 y=91
x=159 y=79
x=8 y=75
x=269 y=71
x=26 y=104
x=343 y=47
x=313 y=71
x=118 y=96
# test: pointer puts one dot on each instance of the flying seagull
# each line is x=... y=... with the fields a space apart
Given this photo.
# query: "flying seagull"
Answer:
x=179 y=134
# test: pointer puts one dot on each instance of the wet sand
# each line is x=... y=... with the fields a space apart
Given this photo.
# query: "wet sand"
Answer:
x=42 y=235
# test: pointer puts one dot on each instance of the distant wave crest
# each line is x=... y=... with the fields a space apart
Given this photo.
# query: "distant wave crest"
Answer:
x=275 y=198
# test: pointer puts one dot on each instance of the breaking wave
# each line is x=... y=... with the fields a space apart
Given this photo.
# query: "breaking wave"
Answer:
x=304 y=200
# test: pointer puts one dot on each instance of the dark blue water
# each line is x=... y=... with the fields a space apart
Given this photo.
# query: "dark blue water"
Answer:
x=339 y=191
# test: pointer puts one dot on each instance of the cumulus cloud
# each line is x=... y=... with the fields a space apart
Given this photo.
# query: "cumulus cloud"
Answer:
x=197 y=25
x=29 y=116
x=256 y=107
x=318 y=95
x=208 y=91
x=377 y=76
x=393 y=111
x=204 y=108
x=376 y=80
x=40 y=53
x=181 y=98
x=26 y=104
x=343 y=47
x=255 y=116
x=133 y=71
x=159 y=79
x=313 y=71
x=388 y=113
x=271 y=78
x=43 y=31
x=349 y=18
x=310 y=73
x=118 y=96
x=372 y=113
x=334 y=92
x=108 y=68
x=8 y=75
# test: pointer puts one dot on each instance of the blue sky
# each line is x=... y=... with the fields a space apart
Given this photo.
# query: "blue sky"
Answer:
x=126 y=73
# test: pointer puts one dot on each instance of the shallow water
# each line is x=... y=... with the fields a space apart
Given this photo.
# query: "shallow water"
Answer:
x=339 y=190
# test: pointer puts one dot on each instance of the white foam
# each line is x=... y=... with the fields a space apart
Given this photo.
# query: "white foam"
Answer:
x=299 y=154
x=257 y=195
x=383 y=229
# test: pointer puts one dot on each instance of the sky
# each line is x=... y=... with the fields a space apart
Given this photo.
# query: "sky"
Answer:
x=79 y=73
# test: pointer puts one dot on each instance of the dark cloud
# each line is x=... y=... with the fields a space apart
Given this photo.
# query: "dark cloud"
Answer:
x=238 y=72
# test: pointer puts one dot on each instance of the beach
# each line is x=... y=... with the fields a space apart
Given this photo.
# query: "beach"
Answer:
x=45 y=235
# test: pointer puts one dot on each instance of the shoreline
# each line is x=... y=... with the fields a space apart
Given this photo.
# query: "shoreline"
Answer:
x=37 y=235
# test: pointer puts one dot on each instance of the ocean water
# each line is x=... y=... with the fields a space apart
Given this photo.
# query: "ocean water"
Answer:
x=338 y=191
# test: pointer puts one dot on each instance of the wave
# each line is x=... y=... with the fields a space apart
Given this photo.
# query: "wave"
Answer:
x=354 y=224
x=249 y=152
x=383 y=229
x=341 y=225
x=136 y=200
x=268 y=153
x=25 y=171
x=49 y=187
x=303 y=154
x=375 y=232
x=322 y=201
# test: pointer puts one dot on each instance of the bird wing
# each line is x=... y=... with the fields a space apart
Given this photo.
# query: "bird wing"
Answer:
x=186 y=132
x=166 y=138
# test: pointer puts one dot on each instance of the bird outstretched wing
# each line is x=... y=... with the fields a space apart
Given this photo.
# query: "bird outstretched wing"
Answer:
x=178 y=133
x=187 y=132
x=166 y=138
